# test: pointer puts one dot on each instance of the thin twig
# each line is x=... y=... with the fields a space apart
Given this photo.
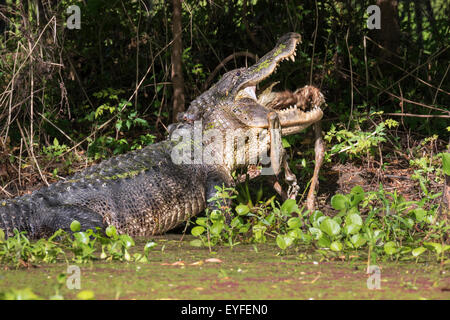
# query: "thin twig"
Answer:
x=314 y=45
x=351 y=79
x=418 y=115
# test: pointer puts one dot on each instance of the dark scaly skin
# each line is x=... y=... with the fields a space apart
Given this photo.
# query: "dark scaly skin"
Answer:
x=144 y=192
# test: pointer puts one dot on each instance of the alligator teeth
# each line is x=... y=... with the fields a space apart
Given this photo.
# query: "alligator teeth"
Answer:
x=292 y=58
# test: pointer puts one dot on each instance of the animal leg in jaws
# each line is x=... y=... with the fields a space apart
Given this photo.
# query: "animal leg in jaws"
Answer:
x=319 y=150
x=278 y=159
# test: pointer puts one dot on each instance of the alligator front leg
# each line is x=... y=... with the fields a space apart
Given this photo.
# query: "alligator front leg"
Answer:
x=319 y=151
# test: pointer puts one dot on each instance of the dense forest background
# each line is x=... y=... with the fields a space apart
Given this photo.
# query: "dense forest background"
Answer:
x=72 y=96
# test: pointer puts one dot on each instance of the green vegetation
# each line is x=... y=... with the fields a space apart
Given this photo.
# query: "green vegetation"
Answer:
x=69 y=98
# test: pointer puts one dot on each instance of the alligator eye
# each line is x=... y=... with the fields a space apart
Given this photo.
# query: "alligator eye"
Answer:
x=238 y=73
x=185 y=118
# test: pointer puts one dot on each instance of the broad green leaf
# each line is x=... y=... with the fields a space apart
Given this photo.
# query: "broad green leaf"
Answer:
x=433 y=245
x=75 y=226
x=201 y=221
x=418 y=251
x=295 y=234
x=353 y=219
x=294 y=222
x=336 y=246
x=319 y=221
x=149 y=245
x=446 y=163
x=281 y=242
x=316 y=233
x=316 y=214
x=196 y=231
x=216 y=228
x=357 y=190
x=353 y=223
x=358 y=240
x=285 y=143
x=85 y=295
x=196 y=243
x=242 y=209
x=289 y=206
x=390 y=248
x=111 y=231
x=330 y=227
x=339 y=202
x=324 y=241
x=127 y=241
x=82 y=237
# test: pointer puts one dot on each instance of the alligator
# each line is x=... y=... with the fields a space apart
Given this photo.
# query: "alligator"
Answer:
x=150 y=191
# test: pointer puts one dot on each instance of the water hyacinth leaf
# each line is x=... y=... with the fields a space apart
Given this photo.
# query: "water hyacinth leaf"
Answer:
x=85 y=295
x=358 y=240
x=446 y=163
x=418 y=251
x=316 y=233
x=201 y=221
x=75 y=226
x=330 y=227
x=295 y=234
x=319 y=221
x=294 y=222
x=127 y=241
x=281 y=242
x=81 y=237
x=111 y=231
x=433 y=246
x=353 y=223
x=339 y=202
x=357 y=190
x=242 y=209
x=196 y=243
x=390 y=247
x=338 y=219
x=357 y=195
x=196 y=231
x=324 y=242
x=336 y=246
x=352 y=229
x=216 y=228
x=127 y=255
x=149 y=245
x=289 y=206
x=316 y=214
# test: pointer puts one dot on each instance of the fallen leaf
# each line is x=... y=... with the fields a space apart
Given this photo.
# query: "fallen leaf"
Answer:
x=214 y=260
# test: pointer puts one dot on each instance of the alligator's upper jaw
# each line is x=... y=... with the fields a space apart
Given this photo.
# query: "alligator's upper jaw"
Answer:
x=284 y=49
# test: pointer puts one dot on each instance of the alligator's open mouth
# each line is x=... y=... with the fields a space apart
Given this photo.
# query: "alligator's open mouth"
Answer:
x=304 y=108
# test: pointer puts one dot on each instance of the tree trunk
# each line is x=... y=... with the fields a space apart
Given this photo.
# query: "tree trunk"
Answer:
x=2 y=22
x=446 y=191
x=177 y=67
x=389 y=34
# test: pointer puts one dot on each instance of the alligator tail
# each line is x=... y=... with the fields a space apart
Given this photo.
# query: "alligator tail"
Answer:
x=16 y=214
